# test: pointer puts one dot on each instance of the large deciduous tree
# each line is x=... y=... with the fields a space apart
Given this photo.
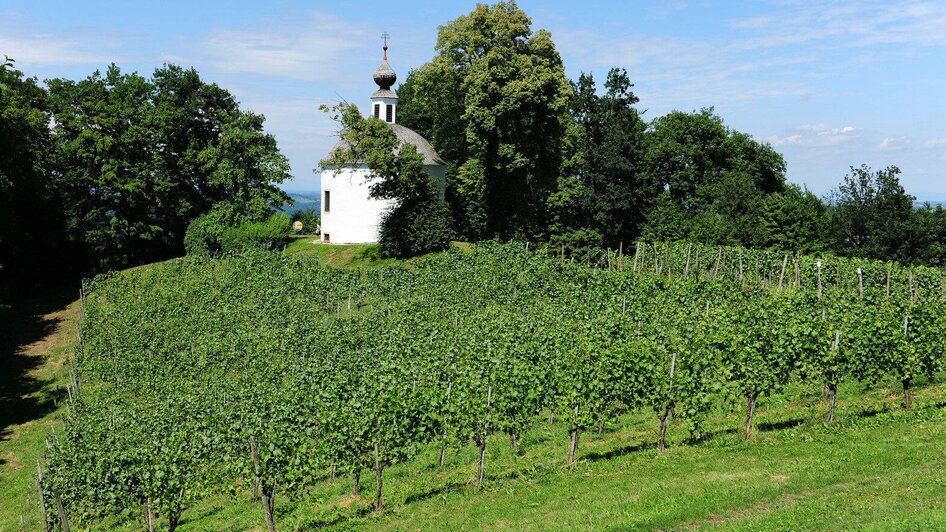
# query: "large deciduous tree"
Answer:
x=872 y=215
x=137 y=159
x=715 y=178
x=493 y=103
x=31 y=221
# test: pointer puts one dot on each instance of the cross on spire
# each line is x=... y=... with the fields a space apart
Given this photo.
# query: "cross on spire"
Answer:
x=385 y=37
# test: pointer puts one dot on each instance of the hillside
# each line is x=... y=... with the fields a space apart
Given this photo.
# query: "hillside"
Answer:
x=877 y=466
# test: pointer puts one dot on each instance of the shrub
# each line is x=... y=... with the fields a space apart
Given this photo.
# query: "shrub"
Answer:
x=310 y=220
x=415 y=227
x=271 y=234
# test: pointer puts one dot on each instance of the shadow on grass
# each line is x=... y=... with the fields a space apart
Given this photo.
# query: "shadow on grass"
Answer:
x=440 y=490
x=620 y=451
x=338 y=519
x=23 y=324
x=780 y=425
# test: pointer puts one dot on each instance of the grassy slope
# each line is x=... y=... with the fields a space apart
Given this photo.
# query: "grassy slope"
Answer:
x=876 y=468
x=37 y=339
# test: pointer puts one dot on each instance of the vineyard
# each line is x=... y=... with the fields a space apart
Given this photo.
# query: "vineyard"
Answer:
x=270 y=374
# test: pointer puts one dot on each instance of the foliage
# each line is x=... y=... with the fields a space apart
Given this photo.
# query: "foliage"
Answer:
x=184 y=364
x=419 y=220
x=309 y=218
x=871 y=214
x=491 y=102
x=137 y=159
x=31 y=220
x=270 y=234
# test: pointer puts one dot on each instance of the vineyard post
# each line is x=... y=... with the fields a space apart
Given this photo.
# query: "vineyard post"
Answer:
x=63 y=518
x=662 y=440
x=443 y=444
x=740 y=268
x=623 y=305
x=621 y=256
x=656 y=260
x=781 y=275
x=667 y=259
x=637 y=252
x=798 y=273
x=149 y=517
x=573 y=442
x=609 y=259
x=378 y=474
x=860 y=282
x=750 y=410
x=563 y=254
x=479 y=476
x=907 y=396
x=267 y=492
x=686 y=269
x=819 y=279
x=42 y=498
x=719 y=257
x=356 y=482
x=832 y=386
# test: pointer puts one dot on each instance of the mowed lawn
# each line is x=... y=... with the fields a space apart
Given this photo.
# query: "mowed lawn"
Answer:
x=877 y=467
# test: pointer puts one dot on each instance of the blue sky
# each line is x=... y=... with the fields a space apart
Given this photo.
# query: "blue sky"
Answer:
x=829 y=84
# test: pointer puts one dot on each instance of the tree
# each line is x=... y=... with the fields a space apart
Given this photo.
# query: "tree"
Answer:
x=419 y=221
x=872 y=215
x=791 y=220
x=716 y=177
x=616 y=191
x=494 y=98
x=31 y=220
x=138 y=159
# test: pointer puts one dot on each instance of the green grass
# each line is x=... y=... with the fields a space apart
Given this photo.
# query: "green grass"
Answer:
x=876 y=468
x=339 y=255
x=37 y=339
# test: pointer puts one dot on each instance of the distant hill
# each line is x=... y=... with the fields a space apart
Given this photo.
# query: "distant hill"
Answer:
x=303 y=201
x=921 y=204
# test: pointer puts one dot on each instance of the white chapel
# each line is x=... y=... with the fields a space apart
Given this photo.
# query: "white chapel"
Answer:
x=349 y=215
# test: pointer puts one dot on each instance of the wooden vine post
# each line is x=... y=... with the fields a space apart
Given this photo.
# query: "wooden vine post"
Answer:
x=860 y=282
x=266 y=491
x=907 y=395
x=42 y=498
x=819 y=279
x=831 y=387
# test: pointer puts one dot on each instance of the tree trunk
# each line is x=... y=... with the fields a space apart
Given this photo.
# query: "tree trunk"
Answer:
x=513 y=441
x=482 y=444
x=551 y=414
x=572 y=446
x=356 y=482
x=907 y=395
x=601 y=426
x=750 y=410
x=832 y=390
x=662 y=440
x=378 y=473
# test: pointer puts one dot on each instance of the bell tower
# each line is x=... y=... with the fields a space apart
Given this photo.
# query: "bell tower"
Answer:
x=384 y=100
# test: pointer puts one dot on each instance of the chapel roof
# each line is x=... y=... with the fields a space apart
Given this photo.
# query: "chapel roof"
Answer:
x=407 y=136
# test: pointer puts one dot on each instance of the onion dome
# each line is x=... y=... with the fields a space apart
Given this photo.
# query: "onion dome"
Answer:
x=384 y=75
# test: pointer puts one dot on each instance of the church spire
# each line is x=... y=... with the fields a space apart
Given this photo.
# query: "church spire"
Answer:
x=384 y=100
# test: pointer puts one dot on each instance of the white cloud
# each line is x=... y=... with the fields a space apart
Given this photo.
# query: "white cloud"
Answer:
x=36 y=48
x=310 y=50
x=893 y=143
x=776 y=140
